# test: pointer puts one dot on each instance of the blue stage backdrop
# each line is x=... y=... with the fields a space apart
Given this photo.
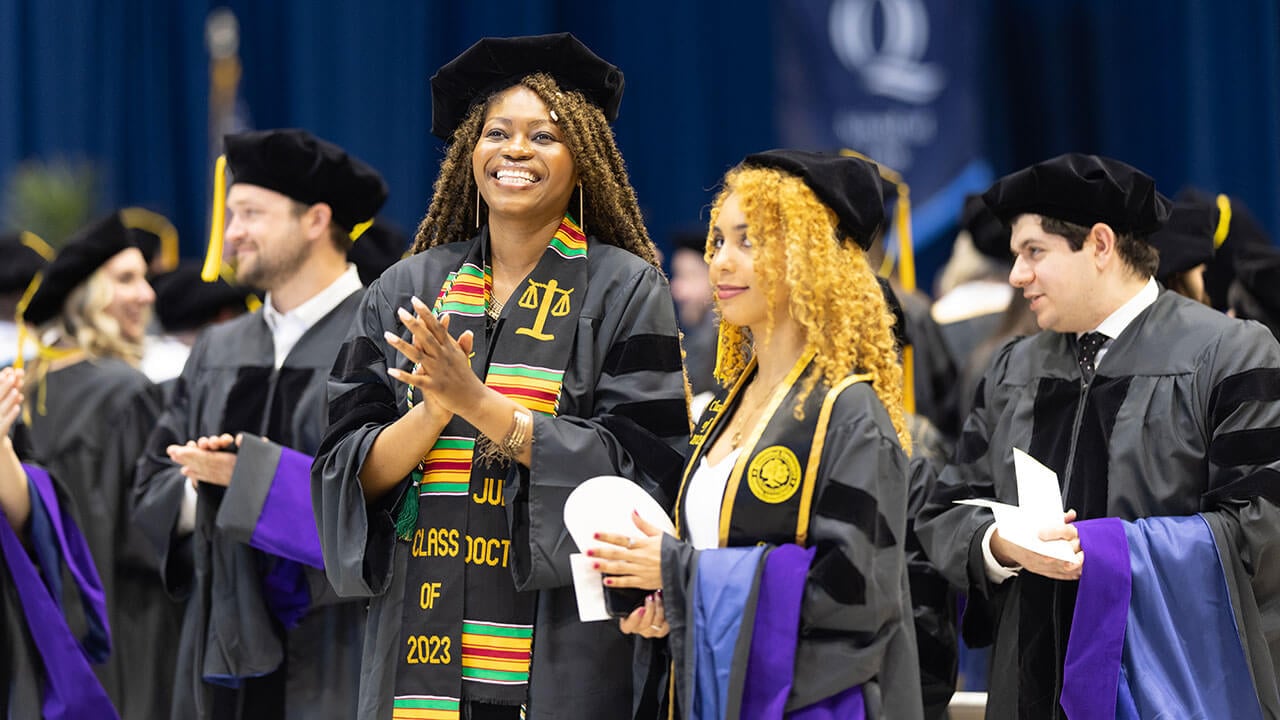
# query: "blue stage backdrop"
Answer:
x=896 y=80
x=1178 y=87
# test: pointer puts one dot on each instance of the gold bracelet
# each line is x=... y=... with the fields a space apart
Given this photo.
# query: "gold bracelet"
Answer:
x=513 y=443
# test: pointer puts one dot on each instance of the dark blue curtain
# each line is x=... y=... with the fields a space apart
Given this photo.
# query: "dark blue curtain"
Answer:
x=1187 y=90
x=1182 y=88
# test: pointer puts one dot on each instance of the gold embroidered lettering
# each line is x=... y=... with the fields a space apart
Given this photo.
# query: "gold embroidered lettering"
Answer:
x=491 y=494
x=554 y=301
x=492 y=552
x=428 y=650
x=428 y=594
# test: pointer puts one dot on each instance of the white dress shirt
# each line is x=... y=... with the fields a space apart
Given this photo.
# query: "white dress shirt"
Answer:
x=1115 y=324
x=288 y=328
x=704 y=498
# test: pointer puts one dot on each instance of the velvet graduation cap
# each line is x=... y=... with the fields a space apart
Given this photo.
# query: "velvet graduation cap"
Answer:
x=379 y=248
x=1082 y=189
x=185 y=303
x=25 y=254
x=1238 y=232
x=990 y=236
x=1187 y=238
x=87 y=250
x=1258 y=275
x=850 y=186
x=494 y=64
x=300 y=166
x=154 y=236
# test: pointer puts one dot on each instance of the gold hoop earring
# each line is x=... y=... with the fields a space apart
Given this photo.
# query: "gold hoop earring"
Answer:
x=582 y=218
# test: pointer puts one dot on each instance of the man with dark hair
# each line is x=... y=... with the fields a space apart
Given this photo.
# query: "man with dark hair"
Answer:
x=228 y=509
x=1157 y=414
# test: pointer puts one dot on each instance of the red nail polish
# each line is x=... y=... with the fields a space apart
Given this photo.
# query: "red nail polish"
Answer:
x=591 y=553
x=608 y=581
x=595 y=566
x=641 y=612
x=596 y=536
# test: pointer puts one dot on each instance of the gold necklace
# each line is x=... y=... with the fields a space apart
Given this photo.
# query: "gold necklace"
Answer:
x=747 y=420
x=494 y=308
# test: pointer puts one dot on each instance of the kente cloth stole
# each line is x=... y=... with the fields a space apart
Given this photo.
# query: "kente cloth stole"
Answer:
x=770 y=489
x=466 y=633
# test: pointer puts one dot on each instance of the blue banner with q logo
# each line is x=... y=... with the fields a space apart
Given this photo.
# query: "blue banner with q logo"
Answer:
x=896 y=80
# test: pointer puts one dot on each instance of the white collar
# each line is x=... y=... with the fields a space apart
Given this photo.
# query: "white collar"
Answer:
x=1117 y=321
x=317 y=306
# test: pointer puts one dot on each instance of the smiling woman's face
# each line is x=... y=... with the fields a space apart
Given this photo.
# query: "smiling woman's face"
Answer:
x=521 y=163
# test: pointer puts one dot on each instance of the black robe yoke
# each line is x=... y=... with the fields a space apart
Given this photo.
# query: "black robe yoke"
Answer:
x=856 y=624
x=621 y=412
x=230 y=384
x=1181 y=419
x=98 y=414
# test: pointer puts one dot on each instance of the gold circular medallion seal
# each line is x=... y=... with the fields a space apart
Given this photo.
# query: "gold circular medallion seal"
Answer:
x=774 y=474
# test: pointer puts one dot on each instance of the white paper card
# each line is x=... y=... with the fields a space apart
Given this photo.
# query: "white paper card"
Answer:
x=1039 y=506
x=604 y=504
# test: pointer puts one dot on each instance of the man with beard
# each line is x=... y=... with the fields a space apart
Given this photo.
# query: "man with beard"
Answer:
x=228 y=509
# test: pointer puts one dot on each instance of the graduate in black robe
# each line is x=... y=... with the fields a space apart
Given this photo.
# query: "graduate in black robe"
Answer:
x=440 y=488
x=44 y=665
x=1149 y=407
x=89 y=410
x=264 y=635
x=787 y=592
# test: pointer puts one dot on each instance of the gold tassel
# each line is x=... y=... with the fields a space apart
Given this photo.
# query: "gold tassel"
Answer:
x=906 y=267
x=158 y=225
x=37 y=243
x=19 y=318
x=1224 y=221
x=213 y=257
x=359 y=229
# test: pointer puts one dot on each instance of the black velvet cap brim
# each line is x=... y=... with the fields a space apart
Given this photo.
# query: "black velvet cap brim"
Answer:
x=850 y=186
x=496 y=63
x=1082 y=189
x=87 y=250
x=299 y=165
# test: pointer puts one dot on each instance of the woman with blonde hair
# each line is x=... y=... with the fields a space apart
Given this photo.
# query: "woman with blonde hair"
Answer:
x=89 y=410
x=785 y=593
x=529 y=344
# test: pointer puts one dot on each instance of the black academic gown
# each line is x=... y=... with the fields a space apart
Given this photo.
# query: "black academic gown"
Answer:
x=1180 y=419
x=237 y=660
x=98 y=414
x=621 y=411
x=934 y=367
x=855 y=615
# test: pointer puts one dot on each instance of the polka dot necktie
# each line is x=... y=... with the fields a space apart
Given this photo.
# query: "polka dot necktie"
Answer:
x=1089 y=345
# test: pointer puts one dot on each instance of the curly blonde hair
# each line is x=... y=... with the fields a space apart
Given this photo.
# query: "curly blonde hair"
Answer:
x=834 y=295
x=85 y=323
x=610 y=210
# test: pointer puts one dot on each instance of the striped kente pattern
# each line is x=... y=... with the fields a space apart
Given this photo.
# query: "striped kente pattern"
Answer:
x=536 y=388
x=425 y=707
x=447 y=467
x=464 y=292
x=496 y=653
x=569 y=242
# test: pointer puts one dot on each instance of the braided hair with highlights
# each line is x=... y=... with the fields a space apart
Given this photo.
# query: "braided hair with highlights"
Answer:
x=611 y=212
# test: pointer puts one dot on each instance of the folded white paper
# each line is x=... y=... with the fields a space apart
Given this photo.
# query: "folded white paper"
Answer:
x=1039 y=506
x=604 y=504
